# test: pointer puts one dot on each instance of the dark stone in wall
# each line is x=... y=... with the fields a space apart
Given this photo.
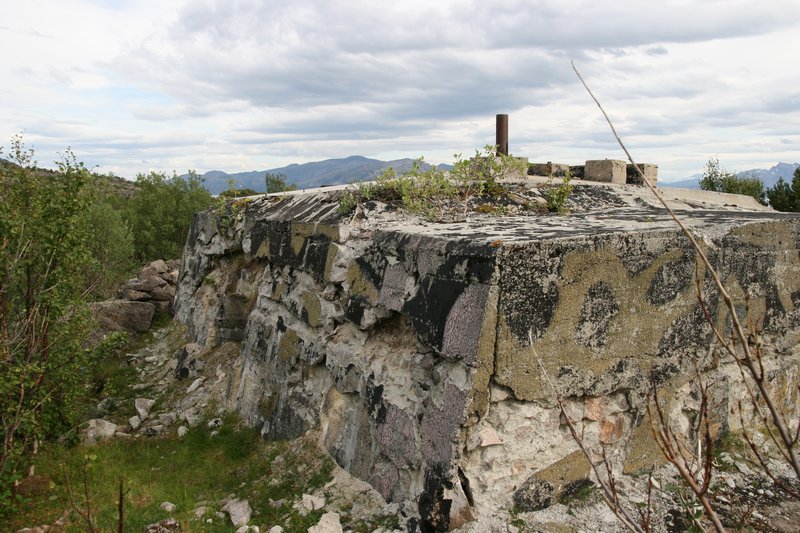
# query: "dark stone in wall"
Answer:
x=528 y=299
x=354 y=311
x=671 y=280
x=775 y=310
x=346 y=379
x=688 y=334
x=663 y=371
x=433 y=508
x=638 y=251
x=534 y=495
x=372 y=265
x=598 y=310
x=374 y=397
x=439 y=425
x=316 y=256
x=285 y=423
x=429 y=308
x=232 y=318
x=474 y=263
x=258 y=234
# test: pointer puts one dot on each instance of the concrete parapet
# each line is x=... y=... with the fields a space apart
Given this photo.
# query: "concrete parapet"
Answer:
x=606 y=171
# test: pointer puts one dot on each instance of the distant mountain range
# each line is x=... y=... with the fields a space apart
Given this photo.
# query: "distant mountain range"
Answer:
x=319 y=173
x=358 y=168
x=768 y=175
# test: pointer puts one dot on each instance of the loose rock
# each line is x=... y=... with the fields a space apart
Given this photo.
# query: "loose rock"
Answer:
x=313 y=503
x=98 y=429
x=329 y=523
x=239 y=512
x=143 y=406
x=168 y=525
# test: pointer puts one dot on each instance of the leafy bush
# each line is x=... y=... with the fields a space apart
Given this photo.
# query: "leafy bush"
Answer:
x=111 y=244
x=277 y=183
x=160 y=213
x=716 y=178
x=429 y=192
x=556 y=197
x=45 y=251
x=237 y=193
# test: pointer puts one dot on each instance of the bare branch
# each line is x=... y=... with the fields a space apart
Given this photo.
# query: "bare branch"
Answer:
x=608 y=485
x=750 y=361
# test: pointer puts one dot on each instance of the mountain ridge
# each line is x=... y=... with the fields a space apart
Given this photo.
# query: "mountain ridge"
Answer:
x=337 y=171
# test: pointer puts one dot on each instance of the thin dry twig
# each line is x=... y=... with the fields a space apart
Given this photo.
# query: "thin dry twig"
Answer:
x=608 y=484
x=670 y=447
x=748 y=360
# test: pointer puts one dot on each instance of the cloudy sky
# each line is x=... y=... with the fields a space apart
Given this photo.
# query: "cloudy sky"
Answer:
x=135 y=85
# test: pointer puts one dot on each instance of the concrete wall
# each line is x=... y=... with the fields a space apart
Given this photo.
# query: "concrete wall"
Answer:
x=409 y=345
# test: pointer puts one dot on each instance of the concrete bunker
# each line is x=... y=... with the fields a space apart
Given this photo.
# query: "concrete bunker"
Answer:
x=413 y=346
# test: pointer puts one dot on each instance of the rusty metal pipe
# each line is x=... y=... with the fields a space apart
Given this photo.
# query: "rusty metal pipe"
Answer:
x=502 y=134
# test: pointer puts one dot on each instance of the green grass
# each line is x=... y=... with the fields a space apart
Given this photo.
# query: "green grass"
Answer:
x=198 y=469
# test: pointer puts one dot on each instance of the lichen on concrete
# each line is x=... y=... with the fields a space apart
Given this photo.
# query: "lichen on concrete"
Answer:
x=417 y=348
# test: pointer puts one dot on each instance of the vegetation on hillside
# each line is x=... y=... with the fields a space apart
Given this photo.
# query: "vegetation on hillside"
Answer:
x=45 y=252
x=160 y=213
x=68 y=237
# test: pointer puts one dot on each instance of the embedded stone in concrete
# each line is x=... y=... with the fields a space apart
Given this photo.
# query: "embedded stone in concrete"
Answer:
x=606 y=171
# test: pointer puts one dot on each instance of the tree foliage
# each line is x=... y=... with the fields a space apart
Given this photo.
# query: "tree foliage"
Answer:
x=160 y=213
x=68 y=237
x=716 y=178
x=238 y=193
x=784 y=196
x=277 y=183
x=44 y=253
x=111 y=242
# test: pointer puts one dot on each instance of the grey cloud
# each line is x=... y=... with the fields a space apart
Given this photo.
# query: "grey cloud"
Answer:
x=307 y=54
x=656 y=51
x=784 y=102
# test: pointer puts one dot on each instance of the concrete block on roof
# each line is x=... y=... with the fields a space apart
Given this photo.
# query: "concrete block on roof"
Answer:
x=548 y=169
x=649 y=170
x=606 y=171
